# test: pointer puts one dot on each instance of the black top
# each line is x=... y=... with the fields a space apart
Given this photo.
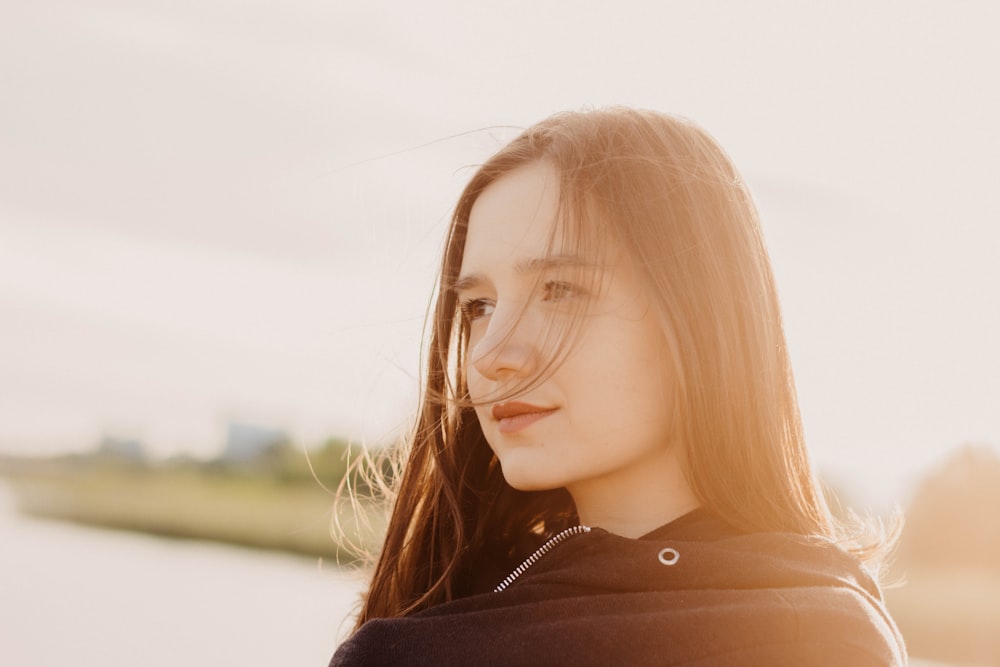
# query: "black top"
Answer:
x=715 y=597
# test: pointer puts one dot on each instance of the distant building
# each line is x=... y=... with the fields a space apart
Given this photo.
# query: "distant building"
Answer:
x=129 y=449
x=247 y=442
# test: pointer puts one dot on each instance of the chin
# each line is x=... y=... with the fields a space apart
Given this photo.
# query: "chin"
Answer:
x=522 y=485
x=528 y=480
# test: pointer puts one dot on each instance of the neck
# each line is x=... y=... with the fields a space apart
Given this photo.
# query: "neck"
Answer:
x=655 y=496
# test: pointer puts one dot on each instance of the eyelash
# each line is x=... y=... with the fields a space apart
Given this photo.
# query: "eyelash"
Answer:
x=554 y=290
x=468 y=306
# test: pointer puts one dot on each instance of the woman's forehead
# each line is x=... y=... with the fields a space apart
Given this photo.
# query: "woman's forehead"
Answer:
x=522 y=217
x=511 y=223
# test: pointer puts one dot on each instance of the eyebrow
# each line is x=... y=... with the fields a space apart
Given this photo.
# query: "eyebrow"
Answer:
x=525 y=266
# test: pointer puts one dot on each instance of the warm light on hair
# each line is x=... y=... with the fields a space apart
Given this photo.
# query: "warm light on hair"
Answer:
x=667 y=195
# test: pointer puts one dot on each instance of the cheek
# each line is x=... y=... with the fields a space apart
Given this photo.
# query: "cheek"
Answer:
x=482 y=395
x=481 y=417
x=639 y=382
x=473 y=381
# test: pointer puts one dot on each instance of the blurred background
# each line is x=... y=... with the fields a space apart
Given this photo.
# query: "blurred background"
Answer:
x=220 y=224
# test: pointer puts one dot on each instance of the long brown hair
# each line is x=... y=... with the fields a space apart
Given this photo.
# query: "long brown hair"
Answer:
x=671 y=198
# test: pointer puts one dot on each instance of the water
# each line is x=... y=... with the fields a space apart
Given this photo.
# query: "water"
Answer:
x=72 y=595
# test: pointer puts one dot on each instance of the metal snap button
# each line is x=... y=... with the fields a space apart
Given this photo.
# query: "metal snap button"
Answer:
x=669 y=556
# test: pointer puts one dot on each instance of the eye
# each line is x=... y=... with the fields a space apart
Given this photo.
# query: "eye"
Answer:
x=473 y=309
x=560 y=290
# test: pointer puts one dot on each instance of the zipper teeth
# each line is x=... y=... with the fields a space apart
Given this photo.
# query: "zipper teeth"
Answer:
x=541 y=551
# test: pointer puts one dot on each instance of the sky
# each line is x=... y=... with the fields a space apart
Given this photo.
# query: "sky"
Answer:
x=215 y=211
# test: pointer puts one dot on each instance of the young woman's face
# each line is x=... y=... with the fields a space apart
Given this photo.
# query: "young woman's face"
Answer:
x=600 y=423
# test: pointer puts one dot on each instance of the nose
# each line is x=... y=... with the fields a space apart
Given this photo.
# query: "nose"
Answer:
x=505 y=351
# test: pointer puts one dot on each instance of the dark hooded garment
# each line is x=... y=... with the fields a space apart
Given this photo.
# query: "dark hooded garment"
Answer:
x=693 y=592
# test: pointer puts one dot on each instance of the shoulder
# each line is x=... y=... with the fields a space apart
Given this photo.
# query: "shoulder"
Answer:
x=720 y=592
x=597 y=598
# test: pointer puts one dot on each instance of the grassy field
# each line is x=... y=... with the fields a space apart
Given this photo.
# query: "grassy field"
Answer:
x=947 y=616
x=244 y=509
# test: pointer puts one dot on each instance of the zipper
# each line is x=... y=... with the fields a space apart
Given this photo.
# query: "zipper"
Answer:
x=541 y=551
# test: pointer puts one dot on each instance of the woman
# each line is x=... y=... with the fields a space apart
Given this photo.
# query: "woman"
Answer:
x=608 y=465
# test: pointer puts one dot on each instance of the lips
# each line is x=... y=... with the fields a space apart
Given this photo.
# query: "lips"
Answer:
x=515 y=416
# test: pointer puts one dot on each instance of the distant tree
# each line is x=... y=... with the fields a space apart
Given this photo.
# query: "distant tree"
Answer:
x=327 y=465
x=954 y=519
x=120 y=449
